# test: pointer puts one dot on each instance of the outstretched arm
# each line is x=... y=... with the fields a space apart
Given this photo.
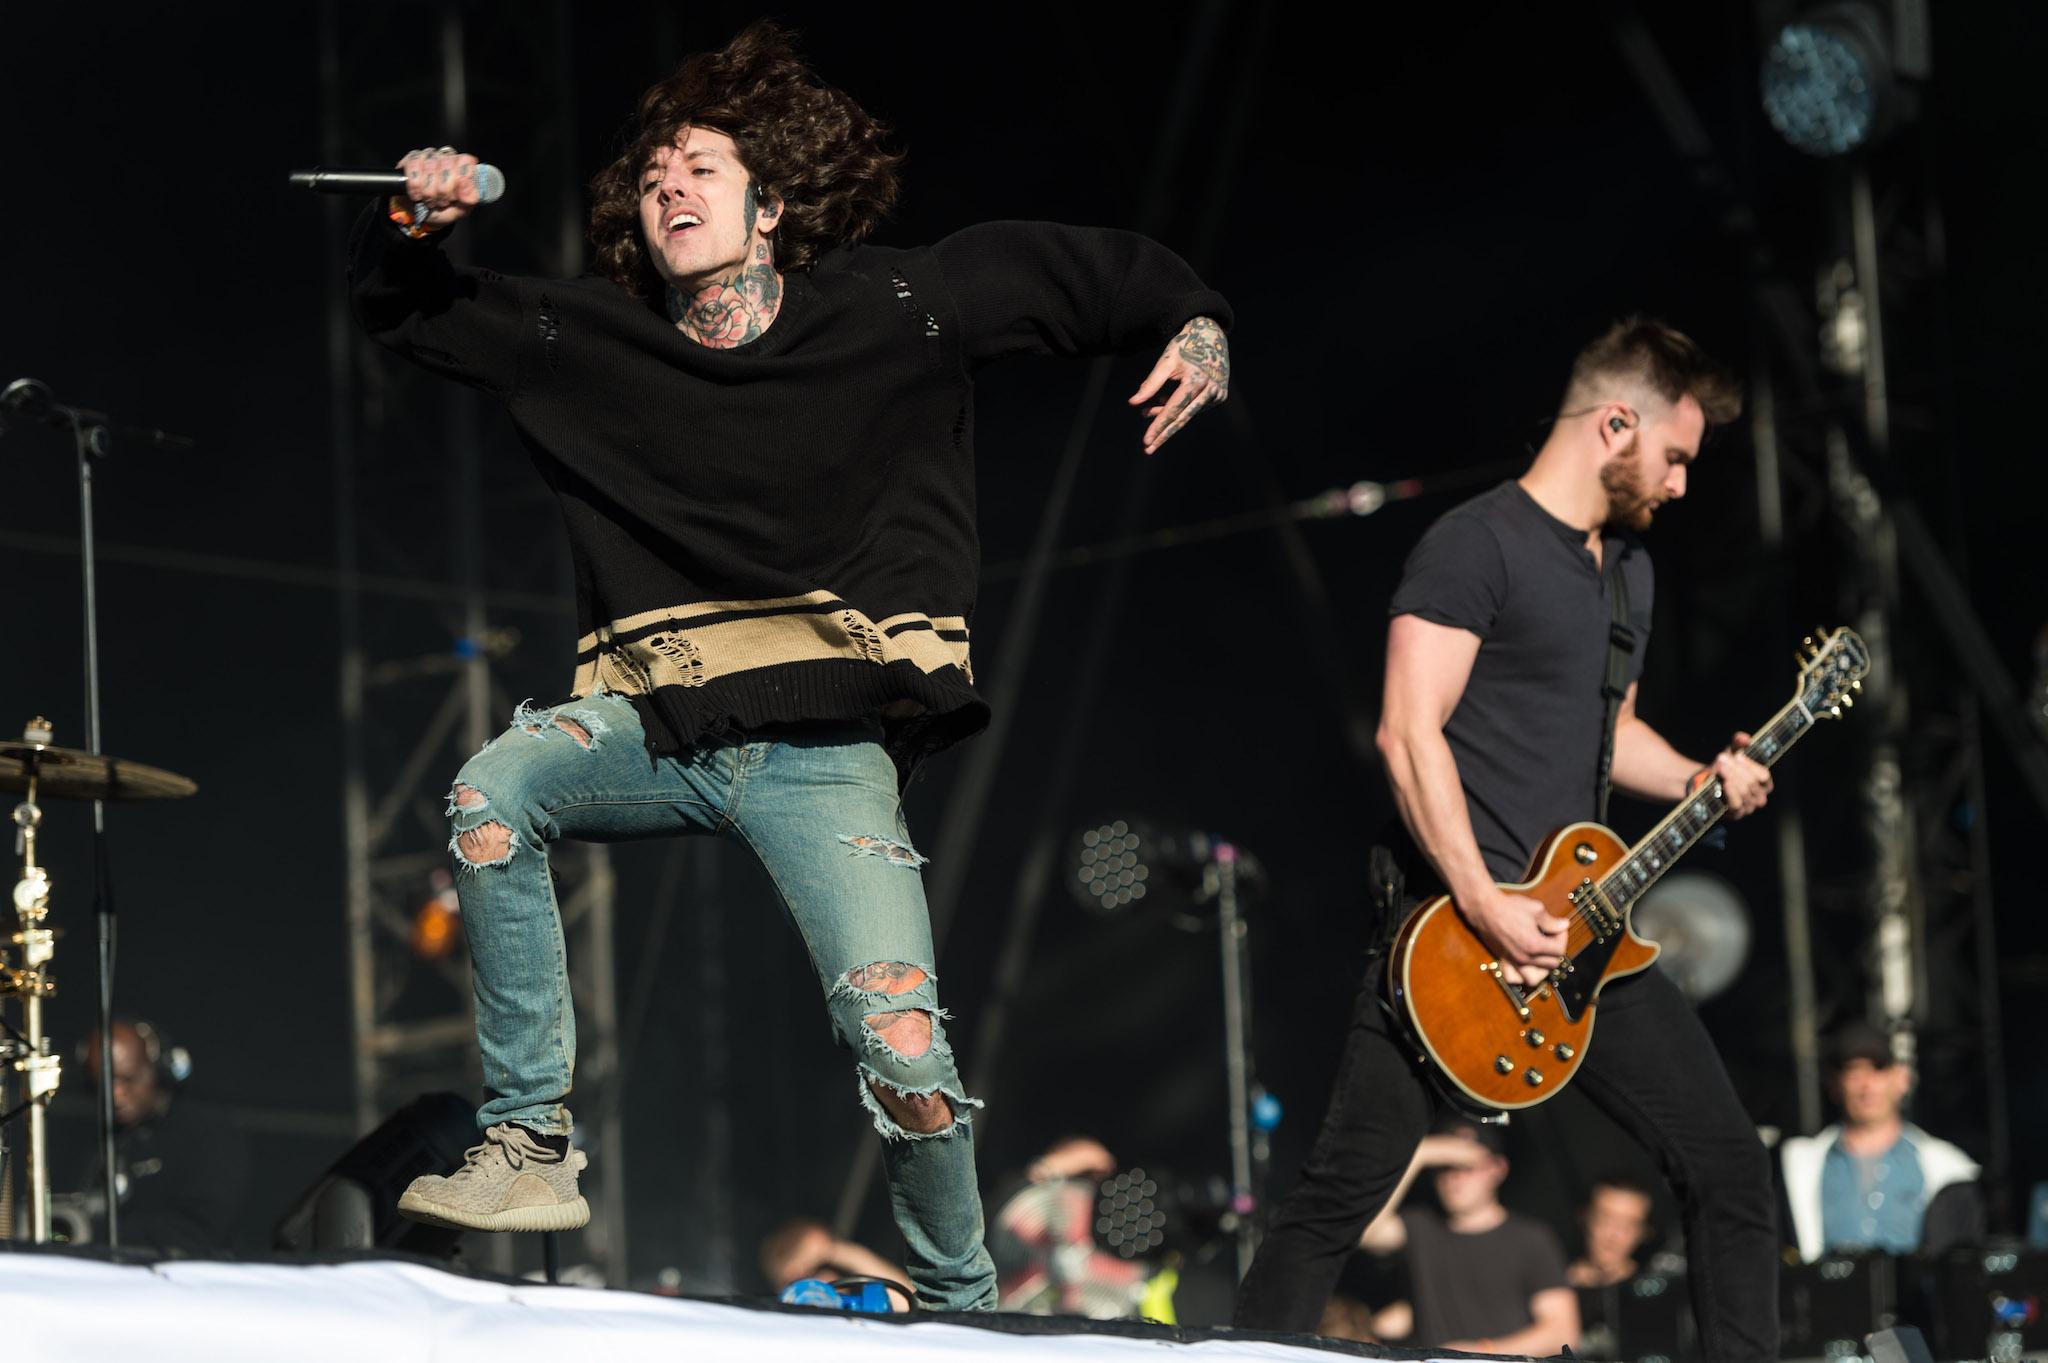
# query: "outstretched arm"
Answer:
x=412 y=299
x=1041 y=288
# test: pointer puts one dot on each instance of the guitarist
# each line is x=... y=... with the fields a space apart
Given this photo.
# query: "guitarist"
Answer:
x=1493 y=730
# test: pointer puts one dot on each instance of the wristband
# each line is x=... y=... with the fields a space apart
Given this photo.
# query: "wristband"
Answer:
x=409 y=218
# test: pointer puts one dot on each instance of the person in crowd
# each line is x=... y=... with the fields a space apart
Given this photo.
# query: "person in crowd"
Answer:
x=1875 y=1181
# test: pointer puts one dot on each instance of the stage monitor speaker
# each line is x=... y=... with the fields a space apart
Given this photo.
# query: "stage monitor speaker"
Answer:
x=1827 y=1307
x=1990 y=1303
x=355 y=1203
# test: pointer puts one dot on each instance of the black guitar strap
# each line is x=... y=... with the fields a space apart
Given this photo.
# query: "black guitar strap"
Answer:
x=1621 y=645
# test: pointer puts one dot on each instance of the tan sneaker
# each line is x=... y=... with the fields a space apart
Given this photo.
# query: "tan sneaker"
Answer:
x=510 y=1182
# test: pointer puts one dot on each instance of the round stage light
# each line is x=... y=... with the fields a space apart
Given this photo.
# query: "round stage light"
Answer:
x=1703 y=926
x=1826 y=79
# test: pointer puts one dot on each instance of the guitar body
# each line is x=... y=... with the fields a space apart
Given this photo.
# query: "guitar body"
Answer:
x=1497 y=1044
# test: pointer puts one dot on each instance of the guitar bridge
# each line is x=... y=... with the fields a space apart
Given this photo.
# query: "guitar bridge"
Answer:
x=1513 y=991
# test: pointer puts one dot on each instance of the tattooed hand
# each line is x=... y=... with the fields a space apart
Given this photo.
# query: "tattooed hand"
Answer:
x=443 y=181
x=1198 y=361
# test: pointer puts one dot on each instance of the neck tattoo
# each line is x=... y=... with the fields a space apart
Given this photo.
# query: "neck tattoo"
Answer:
x=732 y=311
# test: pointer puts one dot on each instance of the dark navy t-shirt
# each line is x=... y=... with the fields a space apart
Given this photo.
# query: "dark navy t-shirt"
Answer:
x=1526 y=733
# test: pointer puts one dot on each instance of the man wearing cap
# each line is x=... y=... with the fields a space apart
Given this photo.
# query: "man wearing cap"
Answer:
x=1876 y=1181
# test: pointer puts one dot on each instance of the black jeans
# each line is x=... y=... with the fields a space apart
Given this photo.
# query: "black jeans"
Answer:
x=1650 y=1067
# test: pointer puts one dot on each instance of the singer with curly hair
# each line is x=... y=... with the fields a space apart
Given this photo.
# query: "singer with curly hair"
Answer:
x=760 y=431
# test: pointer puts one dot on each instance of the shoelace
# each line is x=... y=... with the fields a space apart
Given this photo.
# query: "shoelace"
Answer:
x=516 y=1145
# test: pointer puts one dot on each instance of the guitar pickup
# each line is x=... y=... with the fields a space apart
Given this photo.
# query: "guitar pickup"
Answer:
x=1598 y=917
x=1513 y=991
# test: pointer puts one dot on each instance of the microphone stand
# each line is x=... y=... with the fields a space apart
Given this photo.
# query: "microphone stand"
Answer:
x=92 y=438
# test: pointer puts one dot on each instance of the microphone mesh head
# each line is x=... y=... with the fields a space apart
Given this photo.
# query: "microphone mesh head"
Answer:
x=490 y=183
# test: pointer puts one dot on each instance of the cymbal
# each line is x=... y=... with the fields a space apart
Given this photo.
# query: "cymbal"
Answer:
x=68 y=774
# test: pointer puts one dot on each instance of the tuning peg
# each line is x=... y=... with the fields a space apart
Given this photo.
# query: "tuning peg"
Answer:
x=1807 y=642
x=1856 y=686
x=1834 y=712
x=1848 y=702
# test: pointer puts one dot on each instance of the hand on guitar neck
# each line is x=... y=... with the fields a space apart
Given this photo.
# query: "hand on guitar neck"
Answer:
x=1520 y=931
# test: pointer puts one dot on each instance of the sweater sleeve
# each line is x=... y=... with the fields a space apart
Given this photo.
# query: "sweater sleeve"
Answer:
x=1039 y=288
x=411 y=299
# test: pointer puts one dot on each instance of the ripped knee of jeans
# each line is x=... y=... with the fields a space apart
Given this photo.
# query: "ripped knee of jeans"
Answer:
x=480 y=839
x=908 y=1082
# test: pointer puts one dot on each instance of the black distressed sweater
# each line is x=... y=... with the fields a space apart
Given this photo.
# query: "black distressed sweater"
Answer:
x=783 y=531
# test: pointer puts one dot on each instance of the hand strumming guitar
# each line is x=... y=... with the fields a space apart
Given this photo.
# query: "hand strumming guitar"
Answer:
x=1518 y=930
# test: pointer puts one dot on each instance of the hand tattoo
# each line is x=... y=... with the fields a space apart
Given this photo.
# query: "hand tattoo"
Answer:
x=1203 y=346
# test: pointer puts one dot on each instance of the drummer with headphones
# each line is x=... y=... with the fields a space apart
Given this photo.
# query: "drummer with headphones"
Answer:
x=182 y=1170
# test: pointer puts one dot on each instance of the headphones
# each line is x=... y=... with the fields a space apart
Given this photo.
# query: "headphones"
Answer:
x=171 y=1062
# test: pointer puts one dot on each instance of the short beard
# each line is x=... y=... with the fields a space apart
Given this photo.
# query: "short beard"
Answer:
x=1627 y=508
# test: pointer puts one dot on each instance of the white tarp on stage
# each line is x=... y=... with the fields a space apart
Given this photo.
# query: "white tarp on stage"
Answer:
x=59 y=1309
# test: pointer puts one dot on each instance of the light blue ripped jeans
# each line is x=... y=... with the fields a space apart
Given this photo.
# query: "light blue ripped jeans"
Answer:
x=818 y=805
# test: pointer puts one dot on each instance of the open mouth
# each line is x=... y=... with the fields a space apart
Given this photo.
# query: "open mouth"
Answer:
x=683 y=222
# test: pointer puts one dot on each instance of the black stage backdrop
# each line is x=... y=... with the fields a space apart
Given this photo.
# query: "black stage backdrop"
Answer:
x=1417 y=220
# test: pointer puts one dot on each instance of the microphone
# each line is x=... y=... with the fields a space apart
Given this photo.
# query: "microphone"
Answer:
x=31 y=400
x=490 y=181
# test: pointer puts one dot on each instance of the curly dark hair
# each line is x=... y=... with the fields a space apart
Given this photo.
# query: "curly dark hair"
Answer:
x=803 y=142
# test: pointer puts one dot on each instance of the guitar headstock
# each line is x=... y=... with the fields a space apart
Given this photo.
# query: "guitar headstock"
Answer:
x=1832 y=664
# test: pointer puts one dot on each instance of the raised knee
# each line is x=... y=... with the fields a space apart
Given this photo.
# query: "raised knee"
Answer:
x=488 y=844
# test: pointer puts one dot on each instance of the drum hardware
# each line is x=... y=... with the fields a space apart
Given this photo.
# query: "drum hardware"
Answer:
x=95 y=436
x=36 y=769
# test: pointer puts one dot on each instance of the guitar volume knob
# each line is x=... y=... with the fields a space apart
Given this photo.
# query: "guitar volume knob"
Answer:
x=1564 y=1051
x=1503 y=1064
x=1533 y=1076
x=1535 y=1037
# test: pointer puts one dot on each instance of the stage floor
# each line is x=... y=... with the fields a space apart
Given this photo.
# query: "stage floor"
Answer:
x=71 y=1305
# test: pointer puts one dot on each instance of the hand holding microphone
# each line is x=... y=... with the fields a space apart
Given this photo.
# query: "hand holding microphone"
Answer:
x=441 y=182
x=445 y=182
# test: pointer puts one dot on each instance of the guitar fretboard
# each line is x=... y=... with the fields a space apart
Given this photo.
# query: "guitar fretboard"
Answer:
x=1684 y=826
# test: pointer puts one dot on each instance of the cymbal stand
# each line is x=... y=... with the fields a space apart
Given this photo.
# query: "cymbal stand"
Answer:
x=32 y=1057
x=93 y=435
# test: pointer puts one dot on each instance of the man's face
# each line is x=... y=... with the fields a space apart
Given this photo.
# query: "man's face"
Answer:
x=1650 y=469
x=136 y=1095
x=1471 y=1187
x=1616 y=1221
x=698 y=211
x=1872 y=1093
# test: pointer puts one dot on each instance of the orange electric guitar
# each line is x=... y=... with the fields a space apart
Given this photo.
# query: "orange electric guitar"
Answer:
x=1505 y=1045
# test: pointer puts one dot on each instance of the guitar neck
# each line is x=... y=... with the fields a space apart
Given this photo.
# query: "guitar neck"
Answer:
x=1685 y=825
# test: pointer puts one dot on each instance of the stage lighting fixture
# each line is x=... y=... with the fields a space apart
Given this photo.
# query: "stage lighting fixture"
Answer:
x=437 y=922
x=1831 y=76
x=1703 y=926
x=1123 y=862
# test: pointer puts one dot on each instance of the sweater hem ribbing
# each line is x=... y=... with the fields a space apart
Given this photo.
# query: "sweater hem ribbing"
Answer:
x=678 y=717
